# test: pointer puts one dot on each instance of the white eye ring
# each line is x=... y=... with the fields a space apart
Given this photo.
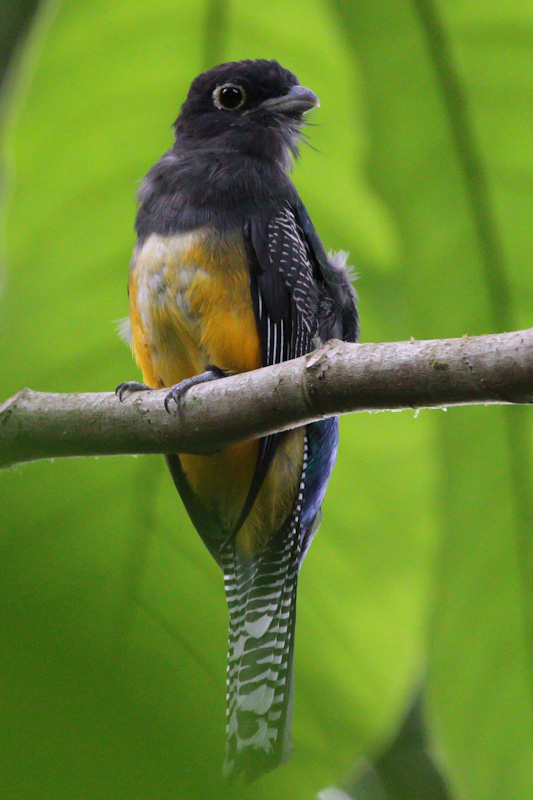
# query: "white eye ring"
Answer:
x=217 y=99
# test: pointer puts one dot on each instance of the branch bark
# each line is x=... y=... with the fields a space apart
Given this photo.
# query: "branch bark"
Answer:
x=336 y=379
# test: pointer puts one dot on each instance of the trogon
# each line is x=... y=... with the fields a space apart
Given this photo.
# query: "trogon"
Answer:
x=228 y=275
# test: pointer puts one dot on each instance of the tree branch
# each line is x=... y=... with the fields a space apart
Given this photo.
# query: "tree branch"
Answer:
x=336 y=379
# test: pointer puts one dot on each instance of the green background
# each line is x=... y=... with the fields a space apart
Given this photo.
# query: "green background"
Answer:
x=113 y=621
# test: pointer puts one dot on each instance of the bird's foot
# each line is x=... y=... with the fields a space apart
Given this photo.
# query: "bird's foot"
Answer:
x=129 y=387
x=177 y=391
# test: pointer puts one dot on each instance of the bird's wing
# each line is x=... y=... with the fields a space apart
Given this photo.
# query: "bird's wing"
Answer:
x=337 y=290
x=284 y=286
x=286 y=304
x=301 y=298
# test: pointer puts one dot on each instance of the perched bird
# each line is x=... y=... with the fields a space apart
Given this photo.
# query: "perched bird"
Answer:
x=228 y=275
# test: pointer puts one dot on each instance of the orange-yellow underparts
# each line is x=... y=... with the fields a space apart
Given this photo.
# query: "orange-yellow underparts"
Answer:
x=191 y=307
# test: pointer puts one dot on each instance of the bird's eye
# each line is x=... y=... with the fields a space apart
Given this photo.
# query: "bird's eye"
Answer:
x=229 y=97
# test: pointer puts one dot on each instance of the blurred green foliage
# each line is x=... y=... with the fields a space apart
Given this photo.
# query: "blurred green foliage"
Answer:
x=113 y=622
x=15 y=19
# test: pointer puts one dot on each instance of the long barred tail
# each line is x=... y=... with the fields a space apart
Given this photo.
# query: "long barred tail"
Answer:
x=260 y=656
x=261 y=596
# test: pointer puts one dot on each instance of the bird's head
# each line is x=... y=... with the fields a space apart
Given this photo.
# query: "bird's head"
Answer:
x=254 y=108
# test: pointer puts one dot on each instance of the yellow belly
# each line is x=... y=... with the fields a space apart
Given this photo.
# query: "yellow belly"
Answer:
x=191 y=307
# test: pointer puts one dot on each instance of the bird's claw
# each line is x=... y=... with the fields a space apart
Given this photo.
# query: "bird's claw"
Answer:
x=129 y=387
x=176 y=393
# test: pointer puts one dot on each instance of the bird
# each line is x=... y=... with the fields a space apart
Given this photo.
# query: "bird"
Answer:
x=229 y=275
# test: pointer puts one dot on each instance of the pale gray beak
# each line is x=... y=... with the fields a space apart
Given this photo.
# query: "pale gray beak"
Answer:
x=298 y=99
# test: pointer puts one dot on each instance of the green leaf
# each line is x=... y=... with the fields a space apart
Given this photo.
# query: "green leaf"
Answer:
x=449 y=128
x=115 y=623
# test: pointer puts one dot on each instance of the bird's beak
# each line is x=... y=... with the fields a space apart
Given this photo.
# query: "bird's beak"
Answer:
x=298 y=99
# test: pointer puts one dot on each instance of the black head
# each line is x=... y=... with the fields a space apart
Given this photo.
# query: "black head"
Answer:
x=253 y=107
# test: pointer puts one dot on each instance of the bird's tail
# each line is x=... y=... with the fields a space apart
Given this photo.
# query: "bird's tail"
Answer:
x=261 y=596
